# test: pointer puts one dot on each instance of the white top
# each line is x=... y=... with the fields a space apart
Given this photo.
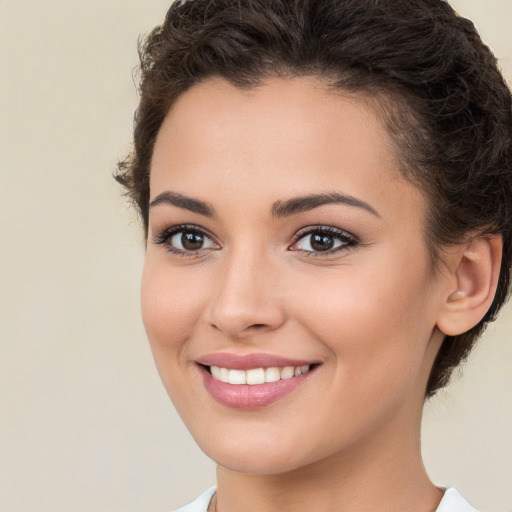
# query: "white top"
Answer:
x=452 y=502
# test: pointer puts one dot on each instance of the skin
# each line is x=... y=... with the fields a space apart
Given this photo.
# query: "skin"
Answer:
x=349 y=437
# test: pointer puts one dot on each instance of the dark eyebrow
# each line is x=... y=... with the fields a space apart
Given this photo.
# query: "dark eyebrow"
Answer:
x=181 y=201
x=309 y=202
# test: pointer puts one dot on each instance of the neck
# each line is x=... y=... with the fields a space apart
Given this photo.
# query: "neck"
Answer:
x=385 y=473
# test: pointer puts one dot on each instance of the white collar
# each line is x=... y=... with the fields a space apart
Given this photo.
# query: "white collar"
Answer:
x=452 y=502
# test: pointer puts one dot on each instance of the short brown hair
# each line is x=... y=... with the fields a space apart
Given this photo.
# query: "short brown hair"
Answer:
x=447 y=105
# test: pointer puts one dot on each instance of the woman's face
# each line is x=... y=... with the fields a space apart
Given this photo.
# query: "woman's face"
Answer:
x=284 y=244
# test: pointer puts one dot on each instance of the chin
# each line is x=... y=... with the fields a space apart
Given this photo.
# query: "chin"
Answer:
x=255 y=465
x=257 y=458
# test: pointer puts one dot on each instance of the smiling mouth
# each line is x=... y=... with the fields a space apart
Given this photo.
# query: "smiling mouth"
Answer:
x=256 y=375
x=252 y=382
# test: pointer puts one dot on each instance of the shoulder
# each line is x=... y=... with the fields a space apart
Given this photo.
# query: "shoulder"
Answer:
x=453 y=502
x=200 y=504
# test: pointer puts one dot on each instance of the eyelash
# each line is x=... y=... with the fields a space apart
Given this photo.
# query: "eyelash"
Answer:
x=347 y=240
x=165 y=236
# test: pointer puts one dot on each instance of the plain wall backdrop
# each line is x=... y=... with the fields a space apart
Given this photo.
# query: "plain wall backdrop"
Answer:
x=85 y=424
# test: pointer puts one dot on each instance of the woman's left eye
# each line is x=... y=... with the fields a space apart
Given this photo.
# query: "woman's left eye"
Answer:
x=323 y=240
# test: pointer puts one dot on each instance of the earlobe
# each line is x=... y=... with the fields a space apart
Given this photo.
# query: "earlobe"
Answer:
x=474 y=278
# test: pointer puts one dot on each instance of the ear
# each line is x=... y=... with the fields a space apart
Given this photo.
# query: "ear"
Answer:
x=474 y=270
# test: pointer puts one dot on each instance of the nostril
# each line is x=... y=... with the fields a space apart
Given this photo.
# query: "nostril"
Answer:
x=257 y=327
x=239 y=319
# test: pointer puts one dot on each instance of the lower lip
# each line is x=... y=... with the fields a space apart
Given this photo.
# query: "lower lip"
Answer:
x=245 y=396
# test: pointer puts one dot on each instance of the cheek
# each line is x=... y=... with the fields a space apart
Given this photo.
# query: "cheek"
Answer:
x=171 y=303
x=376 y=322
x=359 y=301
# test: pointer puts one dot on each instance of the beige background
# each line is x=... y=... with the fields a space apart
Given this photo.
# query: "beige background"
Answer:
x=85 y=424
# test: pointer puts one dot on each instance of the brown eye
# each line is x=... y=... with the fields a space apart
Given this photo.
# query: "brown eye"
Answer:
x=324 y=240
x=187 y=240
x=321 y=242
x=192 y=241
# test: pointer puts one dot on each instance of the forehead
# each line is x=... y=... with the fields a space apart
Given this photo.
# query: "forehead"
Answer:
x=282 y=138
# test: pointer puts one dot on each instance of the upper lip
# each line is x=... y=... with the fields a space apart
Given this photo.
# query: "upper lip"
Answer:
x=249 y=361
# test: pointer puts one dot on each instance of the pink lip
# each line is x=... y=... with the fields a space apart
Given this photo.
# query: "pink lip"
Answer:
x=248 y=361
x=244 y=396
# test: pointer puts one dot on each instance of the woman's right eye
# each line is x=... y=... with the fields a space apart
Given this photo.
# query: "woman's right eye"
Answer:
x=184 y=240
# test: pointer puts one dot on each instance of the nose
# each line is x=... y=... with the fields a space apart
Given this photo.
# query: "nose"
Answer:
x=246 y=299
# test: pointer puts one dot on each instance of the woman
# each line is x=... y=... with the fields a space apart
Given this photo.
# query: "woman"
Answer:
x=326 y=191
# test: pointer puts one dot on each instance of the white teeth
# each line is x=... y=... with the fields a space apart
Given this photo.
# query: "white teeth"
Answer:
x=215 y=370
x=224 y=375
x=287 y=372
x=272 y=374
x=237 y=377
x=221 y=374
x=257 y=375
